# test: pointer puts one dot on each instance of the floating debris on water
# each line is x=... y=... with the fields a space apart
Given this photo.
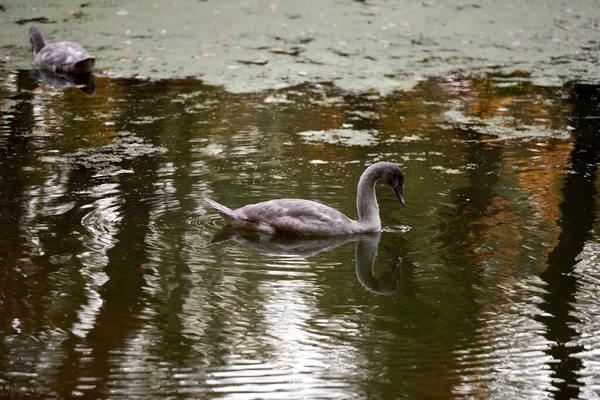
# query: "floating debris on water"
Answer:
x=449 y=171
x=125 y=146
x=503 y=127
x=347 y=137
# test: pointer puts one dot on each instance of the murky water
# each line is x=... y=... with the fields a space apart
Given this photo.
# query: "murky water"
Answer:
x=117 y=281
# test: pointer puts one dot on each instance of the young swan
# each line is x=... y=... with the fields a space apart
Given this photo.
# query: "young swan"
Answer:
x=310 y=218
x=67 y=57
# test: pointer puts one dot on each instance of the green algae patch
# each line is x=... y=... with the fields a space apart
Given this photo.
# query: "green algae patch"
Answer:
x=124 y=146
x=253 y=45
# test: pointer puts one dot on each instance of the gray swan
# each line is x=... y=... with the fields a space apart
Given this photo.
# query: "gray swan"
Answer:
x=310 y=218
x=69 y=57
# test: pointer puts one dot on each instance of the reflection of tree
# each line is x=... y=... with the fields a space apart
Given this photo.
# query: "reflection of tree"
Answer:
x=15 y=155
x=484 y=232
x=524 y=103
x=579 y=211
x=123 y=296
x=467 y=232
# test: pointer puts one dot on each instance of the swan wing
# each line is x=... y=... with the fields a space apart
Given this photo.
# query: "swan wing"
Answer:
x=298 y=216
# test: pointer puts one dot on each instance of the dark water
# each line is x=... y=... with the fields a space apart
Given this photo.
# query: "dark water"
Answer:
x=116 y=281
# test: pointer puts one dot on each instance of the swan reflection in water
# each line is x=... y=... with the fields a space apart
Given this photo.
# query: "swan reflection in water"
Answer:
x=365 y=253
x=86 y=82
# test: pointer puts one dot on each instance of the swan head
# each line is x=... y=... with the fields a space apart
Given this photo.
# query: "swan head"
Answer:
x=393 y=176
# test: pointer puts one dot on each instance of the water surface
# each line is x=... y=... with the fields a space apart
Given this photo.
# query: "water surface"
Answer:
x=116 y=280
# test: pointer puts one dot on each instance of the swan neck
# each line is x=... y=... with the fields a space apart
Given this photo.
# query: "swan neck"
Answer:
x=366 y=201
x=37 y=40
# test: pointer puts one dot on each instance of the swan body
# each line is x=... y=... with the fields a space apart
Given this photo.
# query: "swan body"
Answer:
x=311 y=218
x=69 y=57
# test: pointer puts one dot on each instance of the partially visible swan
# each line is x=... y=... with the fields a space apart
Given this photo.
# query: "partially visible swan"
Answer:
x=68 y=57
x=310 y=218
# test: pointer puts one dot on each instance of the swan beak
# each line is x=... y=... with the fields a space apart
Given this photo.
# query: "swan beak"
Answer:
x=400 y=193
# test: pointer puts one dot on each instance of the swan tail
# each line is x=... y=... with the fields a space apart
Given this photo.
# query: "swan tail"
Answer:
x=225 y=212
x=237 y=220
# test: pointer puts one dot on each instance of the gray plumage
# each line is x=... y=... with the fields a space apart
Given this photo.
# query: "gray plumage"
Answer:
x=310 y=218
x=69 y=57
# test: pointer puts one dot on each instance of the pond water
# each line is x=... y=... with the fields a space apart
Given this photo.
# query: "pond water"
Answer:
x=117 y=281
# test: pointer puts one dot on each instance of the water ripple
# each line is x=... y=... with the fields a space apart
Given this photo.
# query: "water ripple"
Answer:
x=102 y=221
x=510 y=354
x=586 y=311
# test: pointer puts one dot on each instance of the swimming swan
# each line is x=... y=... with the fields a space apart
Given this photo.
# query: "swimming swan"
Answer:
x=310 y=218
x=68 y=57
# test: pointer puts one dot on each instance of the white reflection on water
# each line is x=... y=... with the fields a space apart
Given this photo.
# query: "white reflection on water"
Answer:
x=301 y=362
x=586 y=310
x=276 y=340
x=44 y=200
x=509 y=356
x=102 y=224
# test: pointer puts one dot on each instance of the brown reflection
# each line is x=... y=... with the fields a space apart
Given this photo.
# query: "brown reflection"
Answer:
x=468 y=231
x=578 y=213
x=485 y=238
